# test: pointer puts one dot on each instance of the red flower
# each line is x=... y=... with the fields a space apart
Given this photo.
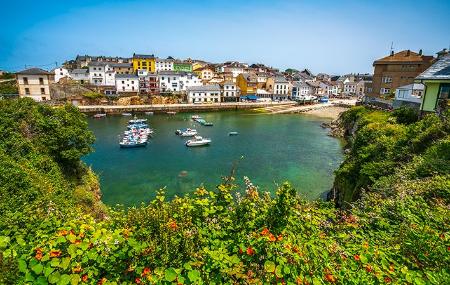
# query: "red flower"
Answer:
x=368 y=268
x=146 y=271
x=240 y=251
x=250 y=251
x=272 y=237
x=265 y=232
x=55 y=253
x=330 y=278
x=137 y=280
x=39 y=254
x=387 y=279
x=173 y=224
x=356 y=257
x=84 y=278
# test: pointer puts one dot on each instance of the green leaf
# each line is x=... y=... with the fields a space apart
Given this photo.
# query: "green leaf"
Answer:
x=22 y=265
x=54 y=277
x=4 y=241
x=65 y=262
x=279 y=271
x=74 y=279
x=64 y=280
x=269 y=266
x=193 y=275
x=170 y=274
x=37 y=268
x=54 y=262
x=363 y=258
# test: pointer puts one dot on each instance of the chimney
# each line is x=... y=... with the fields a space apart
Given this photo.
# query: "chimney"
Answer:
x=408 y=52
x=420 y=51
x=392 y=53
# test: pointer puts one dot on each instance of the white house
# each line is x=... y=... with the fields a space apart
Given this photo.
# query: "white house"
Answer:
x=60 y=72
x=127 y=83
x=280 y=88
x=80 y=74
x=230 y=92
x=97 y=72
x=172 y=81
x=302 y=91
x=203 y=93
x=410 y=94
x=164 y=64
x=110 y=75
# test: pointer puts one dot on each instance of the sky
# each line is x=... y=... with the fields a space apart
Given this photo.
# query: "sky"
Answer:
x=334 y=37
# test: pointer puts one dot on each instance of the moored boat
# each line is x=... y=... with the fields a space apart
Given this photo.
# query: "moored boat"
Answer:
x=130 y=144
x=233 y=133
x=99 y=116
x=126 y=114
x=186 y=132
x=171 y=113
x=198 y=141
x=195 y=117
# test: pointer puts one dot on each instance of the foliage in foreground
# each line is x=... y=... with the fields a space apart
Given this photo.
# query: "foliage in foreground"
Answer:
x=398 y=234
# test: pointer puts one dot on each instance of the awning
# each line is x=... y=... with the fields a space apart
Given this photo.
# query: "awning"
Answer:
x=252 y=97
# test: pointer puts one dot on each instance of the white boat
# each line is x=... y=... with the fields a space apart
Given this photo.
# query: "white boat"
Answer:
x=195 y=117
x=137 y=121
x=171 y=113
x=233 y=133
x=126 y=114
x=186 y=132
x=198 y=141
x=99 y=116
x=149 y=113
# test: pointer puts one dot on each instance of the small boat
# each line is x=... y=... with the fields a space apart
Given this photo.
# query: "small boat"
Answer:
x=233 y=133
x=130 y=144
x=208 y=124
x=171 y=113
x=99 y=116
x=186 y=132
x=323 y=99
x=149 y=113
x=126 y=114
x=195 y=117
x=198 y=141
x=136 y=121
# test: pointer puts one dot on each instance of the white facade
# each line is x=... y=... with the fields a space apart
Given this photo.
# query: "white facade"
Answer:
x=170 y=81
x=230 y=90
x=163 y=65
x=34 y=83
x=96 y=73
x=110 y=76
x=203 y=94
x=410 y=93
x=281 y=88
x=127 y=83
x=81 y=75
x=350 y=87
x=61 y=72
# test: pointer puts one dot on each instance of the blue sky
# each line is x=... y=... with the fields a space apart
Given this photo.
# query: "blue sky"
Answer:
x=325 y=36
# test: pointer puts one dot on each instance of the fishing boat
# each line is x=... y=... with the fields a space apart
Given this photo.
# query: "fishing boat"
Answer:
x=195 y=117
x=131 y=143
x=186 y=132
x=233 y=133
x=198 y=141
x=99 y=116
x=126 y=114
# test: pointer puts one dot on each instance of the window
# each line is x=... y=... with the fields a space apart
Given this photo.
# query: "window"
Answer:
x=27 y=91
x=42 y=90
x=386 y=79
x=43 y=98
x=25 y=80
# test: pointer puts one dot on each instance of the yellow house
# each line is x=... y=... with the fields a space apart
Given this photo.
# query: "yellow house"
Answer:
x=144 y=61
x=197 y=65
x=247 y=83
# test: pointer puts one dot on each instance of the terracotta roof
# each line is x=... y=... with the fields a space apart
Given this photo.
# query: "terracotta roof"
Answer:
x=404 y=56
x=34 y=71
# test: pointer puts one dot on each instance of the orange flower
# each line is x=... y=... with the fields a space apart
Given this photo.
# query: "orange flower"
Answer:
x=84 y=278
x=55 y=253
x=356 y=257
x=295 y=249
x=81 y=235
x=77 y=269
x=63 y=233
x=137 y=280
x=272 y=237
x=250 y=251
x=391 y=267
x=173 y=224
x=368 y=268
x=343 y=256
x=265 y=232
x=39 y=254
x=240 y=251
x=146 y=271
x=387 y=279
x=366 y=245
x=101 y=281
x=330 y=278
x=279 y=237
x=77 y=241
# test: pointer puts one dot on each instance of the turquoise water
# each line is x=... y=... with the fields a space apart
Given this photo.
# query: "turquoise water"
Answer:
x=269 y=149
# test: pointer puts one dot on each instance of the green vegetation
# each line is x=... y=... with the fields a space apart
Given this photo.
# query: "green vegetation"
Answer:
x=54 y=229
x=7 y=75
x=291 y=70
x=93 y=95
x=9 y=87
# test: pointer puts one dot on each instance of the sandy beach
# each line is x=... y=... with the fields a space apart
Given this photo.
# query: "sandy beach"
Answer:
x=331 y=112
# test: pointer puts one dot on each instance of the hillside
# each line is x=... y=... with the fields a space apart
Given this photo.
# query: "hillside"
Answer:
x=393 y=228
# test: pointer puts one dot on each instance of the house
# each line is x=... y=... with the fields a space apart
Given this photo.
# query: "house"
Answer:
x=398 y=69
x=235 y=68
x=279 y=87
x=230 y=92
x=80 y=75
x=410 y=95
x=437 y=85
x=350 y=86
x=262 y=79
x=122 y=68
x=148 y=84
x=97 y=72
x=203 y=93
x=164 y=64
x=60 y=72
x=301 y=91
x=205 y=73
x=173 y=81
x=247 y=83
x=127 y=83
x=335 y=88
x=34 y=83
x=144 y=61
x=182 y=66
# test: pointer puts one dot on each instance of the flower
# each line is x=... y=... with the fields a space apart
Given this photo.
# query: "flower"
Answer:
x=84 y=278
x=368 y=268
x=391 y=267
x=101 y=281
x=77 y=269
x=356 y=257
x=387 y=279
x=272 y=237
x=250 y=251
x=240 y=251
x=63 y=233
x=55 y=253
x=137 y=280
x=279 y=237
x=39 y=254
x=265 y=232
x=146 y=271
x=172 y=224
x=330 y=278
